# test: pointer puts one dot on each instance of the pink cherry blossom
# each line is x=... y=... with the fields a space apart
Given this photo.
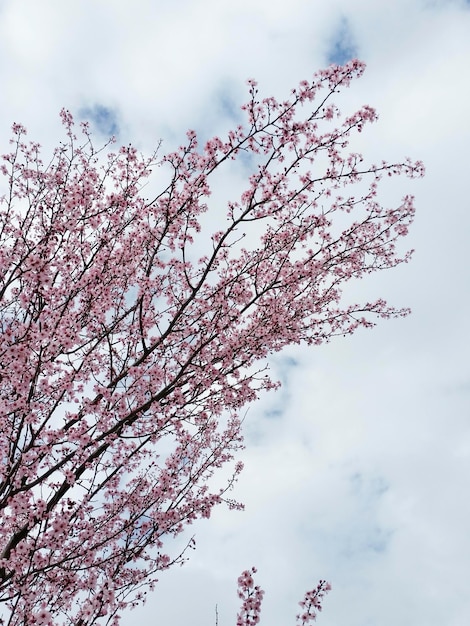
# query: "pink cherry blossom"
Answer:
x=131 y=336
x=252 y=596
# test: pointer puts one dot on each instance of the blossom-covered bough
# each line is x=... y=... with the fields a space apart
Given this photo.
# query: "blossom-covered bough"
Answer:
x=131 y=336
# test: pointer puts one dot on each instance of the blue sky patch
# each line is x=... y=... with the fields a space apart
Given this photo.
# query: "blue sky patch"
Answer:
x=370 y=486
x=284 y=367
x=377 y=540
x=229 y=107
x=343 y=48
x=102 y=119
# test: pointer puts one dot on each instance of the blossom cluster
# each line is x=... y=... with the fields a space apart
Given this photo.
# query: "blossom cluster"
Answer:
x=252 y=597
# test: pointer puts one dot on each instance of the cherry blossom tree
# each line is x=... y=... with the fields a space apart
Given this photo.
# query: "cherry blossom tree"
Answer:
x=131 y=334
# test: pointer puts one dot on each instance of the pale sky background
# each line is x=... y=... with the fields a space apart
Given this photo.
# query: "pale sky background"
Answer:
x=358 y=470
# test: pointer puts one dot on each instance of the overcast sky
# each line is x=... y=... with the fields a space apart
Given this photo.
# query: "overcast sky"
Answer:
x=358 y=470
